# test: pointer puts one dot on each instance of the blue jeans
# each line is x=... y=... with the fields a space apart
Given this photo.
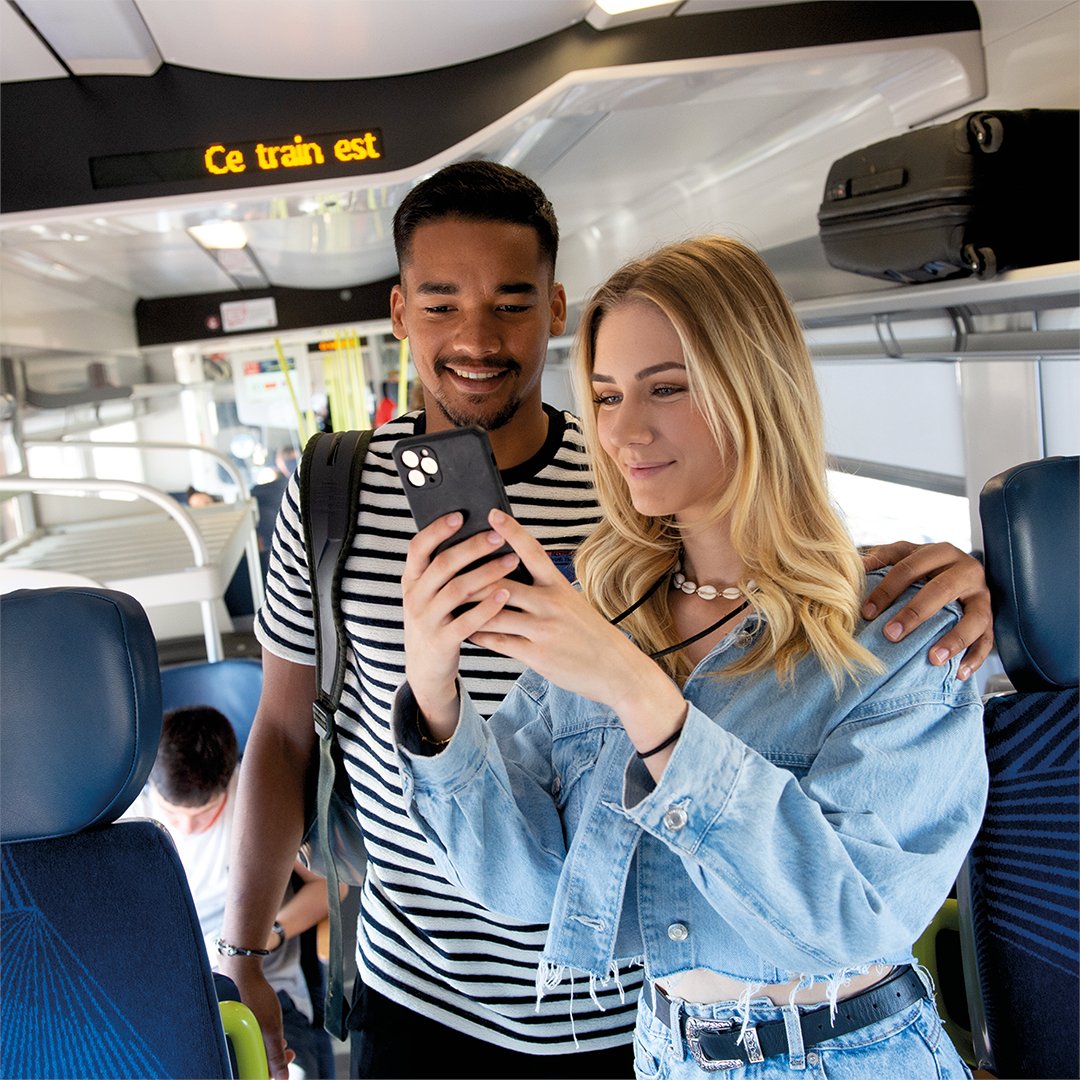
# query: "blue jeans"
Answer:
x=910 y=1043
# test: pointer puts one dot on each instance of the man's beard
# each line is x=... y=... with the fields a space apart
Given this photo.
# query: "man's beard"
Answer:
x=493 y=422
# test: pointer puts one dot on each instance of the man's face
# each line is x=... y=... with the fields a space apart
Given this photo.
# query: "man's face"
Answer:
x=187 y=820
x=477 y=303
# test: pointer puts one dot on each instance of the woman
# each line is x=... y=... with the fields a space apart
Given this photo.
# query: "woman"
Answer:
x=751 y=791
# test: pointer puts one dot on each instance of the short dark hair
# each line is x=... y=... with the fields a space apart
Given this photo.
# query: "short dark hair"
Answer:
x=479 y=191
x=196 y=757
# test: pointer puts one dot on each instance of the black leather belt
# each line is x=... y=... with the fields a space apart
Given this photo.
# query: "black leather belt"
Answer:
x=715 y=1044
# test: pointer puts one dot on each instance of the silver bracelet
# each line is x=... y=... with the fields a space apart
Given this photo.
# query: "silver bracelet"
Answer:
x=225 y=949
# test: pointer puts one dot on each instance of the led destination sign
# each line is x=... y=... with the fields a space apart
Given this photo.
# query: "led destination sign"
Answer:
x=297 y=155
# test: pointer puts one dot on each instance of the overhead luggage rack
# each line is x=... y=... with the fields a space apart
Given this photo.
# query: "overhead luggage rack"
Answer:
x=1031 y=313
x=172 y=554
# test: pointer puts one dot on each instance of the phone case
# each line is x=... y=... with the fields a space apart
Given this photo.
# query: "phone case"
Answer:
x=454 y=470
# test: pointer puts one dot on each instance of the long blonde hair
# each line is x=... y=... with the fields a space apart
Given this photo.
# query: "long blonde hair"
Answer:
x=750 y=376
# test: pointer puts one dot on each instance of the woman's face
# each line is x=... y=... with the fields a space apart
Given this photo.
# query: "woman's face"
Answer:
x=645 y=419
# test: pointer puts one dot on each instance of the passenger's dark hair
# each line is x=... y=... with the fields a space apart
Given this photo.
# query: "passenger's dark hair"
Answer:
x=196 y=757
x=479 y=191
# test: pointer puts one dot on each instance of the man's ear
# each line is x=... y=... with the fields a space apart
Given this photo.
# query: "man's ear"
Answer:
x=558 y=309
x=397 y=313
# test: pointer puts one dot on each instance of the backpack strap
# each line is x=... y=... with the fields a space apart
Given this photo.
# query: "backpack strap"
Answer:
x=329 y=502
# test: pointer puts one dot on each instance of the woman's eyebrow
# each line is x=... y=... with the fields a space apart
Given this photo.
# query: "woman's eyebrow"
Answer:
x=644 y=373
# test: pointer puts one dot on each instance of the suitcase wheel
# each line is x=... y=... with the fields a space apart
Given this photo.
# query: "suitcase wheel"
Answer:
x=987 y=131
x=981 y=261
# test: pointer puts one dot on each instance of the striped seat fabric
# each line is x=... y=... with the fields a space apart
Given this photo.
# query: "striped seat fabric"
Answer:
x=1020 y=893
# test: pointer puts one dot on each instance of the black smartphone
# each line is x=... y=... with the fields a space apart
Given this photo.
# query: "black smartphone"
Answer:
x=454 y=470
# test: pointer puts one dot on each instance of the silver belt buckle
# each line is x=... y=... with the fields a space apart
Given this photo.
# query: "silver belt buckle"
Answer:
x=697 y=1026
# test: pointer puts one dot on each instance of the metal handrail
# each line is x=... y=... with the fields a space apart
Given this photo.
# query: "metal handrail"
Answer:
x=59 y=485
x=121 y=444
x=251 y=547
x=73 y=486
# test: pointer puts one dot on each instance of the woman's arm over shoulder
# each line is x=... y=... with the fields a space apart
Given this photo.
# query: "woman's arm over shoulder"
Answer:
x=485 y=801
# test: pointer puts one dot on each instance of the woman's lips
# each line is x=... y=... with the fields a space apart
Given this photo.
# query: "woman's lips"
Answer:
x=645 y=470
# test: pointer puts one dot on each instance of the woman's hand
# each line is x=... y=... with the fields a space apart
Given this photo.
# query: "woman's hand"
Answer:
x=433 y=588
x=950 y=574
x=552 y=628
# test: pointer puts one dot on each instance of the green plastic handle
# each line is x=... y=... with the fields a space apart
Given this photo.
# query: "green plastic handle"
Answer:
x=243 y=1031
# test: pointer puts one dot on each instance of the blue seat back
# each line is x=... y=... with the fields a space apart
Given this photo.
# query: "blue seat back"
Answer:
x=231 y=686
x=1029 y=517
x=1021 y=890
x=104 y=972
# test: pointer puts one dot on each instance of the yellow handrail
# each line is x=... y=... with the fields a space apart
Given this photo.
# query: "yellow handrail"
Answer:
x=243 y=1031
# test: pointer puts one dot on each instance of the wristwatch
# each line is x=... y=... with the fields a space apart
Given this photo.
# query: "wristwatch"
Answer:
x=278 y=929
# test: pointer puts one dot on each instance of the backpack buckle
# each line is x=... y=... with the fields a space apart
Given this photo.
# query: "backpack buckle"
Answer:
x=323 y=714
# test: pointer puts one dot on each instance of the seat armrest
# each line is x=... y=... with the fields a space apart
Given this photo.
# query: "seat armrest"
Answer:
x=243 y=1032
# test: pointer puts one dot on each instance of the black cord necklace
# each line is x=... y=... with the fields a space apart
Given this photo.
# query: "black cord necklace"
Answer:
x=690 y=640
x=704 y=633
x=634 y=606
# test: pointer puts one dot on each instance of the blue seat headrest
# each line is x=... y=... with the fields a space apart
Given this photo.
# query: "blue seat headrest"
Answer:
x=81 y=709
x=1031 y=533
x=231 y=686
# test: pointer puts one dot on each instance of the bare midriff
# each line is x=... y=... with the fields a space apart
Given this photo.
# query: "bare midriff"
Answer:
x=703 y=987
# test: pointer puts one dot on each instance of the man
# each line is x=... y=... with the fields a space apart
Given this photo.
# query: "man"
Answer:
x=192 y=792
x=448 y=989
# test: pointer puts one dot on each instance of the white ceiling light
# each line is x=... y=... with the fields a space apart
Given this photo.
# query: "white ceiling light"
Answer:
x=220 y=235
x=605 y=14
x=226 y=242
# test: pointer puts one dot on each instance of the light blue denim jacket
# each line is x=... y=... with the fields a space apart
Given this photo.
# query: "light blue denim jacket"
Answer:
x=792 y=835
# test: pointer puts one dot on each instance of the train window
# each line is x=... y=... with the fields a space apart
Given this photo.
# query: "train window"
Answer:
x=82 y=461
x=878 y=511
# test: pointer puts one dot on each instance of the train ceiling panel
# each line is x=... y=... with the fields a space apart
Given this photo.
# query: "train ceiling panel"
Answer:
x=326 y=39
x=735 y=141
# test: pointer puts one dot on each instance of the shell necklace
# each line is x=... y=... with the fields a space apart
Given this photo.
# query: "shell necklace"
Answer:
x=709 y=592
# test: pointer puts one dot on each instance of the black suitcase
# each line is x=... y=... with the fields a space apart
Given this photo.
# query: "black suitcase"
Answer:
x=986 y=192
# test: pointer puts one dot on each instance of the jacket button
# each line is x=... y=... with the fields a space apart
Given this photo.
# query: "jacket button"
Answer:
x=675 y=818
x=677 y=932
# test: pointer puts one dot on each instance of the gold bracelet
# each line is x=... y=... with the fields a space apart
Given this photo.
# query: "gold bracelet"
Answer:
x=438 y=743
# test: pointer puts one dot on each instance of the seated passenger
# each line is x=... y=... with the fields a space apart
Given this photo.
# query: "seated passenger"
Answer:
x=198 y=499
x=751 y=791
x=192 y=791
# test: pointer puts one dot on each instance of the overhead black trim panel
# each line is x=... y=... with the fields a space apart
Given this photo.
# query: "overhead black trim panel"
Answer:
x=52 y=129
x=173 y=319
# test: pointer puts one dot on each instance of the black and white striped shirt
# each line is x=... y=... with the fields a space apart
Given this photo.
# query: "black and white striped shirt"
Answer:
x=419 y=941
